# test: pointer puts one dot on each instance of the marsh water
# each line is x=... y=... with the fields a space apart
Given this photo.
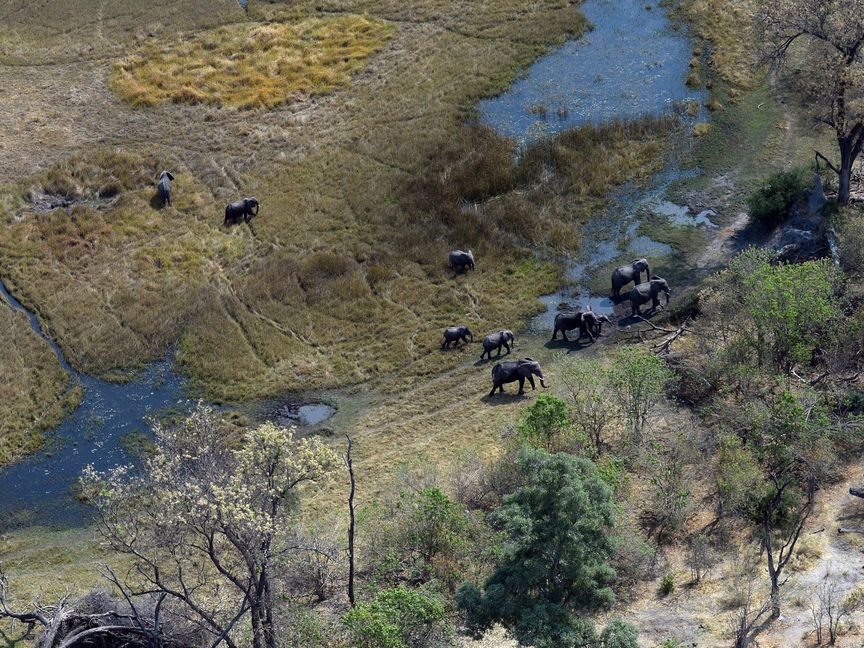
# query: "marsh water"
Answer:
x=633 y=63
x=96 y=433
x=103 y=431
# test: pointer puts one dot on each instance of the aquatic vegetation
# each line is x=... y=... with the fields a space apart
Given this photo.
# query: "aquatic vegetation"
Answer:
x=252 y=65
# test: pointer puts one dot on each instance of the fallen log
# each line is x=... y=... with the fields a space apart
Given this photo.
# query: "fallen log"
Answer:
x=850 y=530
x=857 y=491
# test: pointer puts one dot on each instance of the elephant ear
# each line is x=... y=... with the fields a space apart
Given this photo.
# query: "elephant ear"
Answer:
x=170 y=175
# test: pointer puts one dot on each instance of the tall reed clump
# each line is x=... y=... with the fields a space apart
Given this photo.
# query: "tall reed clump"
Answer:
x=251 y=65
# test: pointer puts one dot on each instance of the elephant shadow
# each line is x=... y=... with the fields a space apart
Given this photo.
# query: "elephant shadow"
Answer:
x=505 y=399
x=156 y=201
x=571 y=345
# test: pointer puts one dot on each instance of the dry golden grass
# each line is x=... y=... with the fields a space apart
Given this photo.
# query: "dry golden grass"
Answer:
x=252 y=65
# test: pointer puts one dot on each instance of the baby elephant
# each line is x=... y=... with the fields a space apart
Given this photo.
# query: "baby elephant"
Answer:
x=164 y=187
x=460 y=260
x=243 y=209
x=496 y=341
x=649 y=291
x=453 y=334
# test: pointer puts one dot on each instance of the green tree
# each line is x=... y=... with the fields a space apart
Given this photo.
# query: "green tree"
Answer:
x=554 y=560
x=544 y=423
x=409 y=535
x=398 y=618
x=771 y=474
x=639 y=380
x=789 y=306
x=593 y=410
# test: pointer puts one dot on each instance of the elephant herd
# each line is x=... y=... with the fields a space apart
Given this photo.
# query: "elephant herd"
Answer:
x=589 y=323
x=240 y=210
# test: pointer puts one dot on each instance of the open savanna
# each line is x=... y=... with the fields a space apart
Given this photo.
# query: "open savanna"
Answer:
x=343 y=277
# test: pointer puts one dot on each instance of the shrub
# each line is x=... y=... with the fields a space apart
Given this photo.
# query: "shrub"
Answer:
x=618 y=634
x=544 y=423
x=667 y=584
x=851 y=237
x=770 y=203
x=398 y=618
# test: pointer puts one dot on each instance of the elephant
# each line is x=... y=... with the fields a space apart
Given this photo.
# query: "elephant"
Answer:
x=459 y=260
x=452 y=334
x=496 y=341
x=588 y=322
x=164 y=187
x=592 y=325
x=648 y=292
x=626 y=274
x=241 y=209
x=566 y=321
x=513 y=370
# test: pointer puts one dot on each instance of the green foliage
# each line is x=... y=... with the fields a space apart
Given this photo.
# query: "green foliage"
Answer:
x=771 y=202
x=544 y=423
x=555 y=558
x=790 y=305
x=593 y=409
x=618 y=634
x=639 y=379
x=667 y=584
x=421 y=535
x=398 y=618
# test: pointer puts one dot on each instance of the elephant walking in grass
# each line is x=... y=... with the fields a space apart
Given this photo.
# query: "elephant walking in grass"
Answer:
x=453 y=334
x=460 y=260
x=649 y=291
x=164 y=187
x=496 y=341
x=513 y=370
x=244 y=209
x=630 y=272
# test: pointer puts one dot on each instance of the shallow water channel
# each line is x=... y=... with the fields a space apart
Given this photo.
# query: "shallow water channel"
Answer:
x=631 y=64
x=101 y=432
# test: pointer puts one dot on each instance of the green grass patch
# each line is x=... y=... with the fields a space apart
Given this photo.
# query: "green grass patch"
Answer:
x=35 y=391
x=252 y=65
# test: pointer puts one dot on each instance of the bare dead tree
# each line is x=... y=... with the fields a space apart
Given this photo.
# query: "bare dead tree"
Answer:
x=751 y=607
x=351 y=522
x=817 y=45
x=98 y=616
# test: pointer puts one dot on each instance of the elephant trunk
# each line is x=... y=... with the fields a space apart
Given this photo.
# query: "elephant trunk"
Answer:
x=667 y=296
x=542 y=384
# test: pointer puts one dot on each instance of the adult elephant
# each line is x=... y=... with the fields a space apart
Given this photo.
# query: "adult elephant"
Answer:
x=649 y=291
x=164 y=187
x=627 y=273
x=460 y=260
x=453 y=334
x=513 y=370
x=566 y=321
x=244 y=209
x=588 y=322
x=496 y=341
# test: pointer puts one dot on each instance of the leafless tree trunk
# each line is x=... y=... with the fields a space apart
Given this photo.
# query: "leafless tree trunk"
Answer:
x=351 y=523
